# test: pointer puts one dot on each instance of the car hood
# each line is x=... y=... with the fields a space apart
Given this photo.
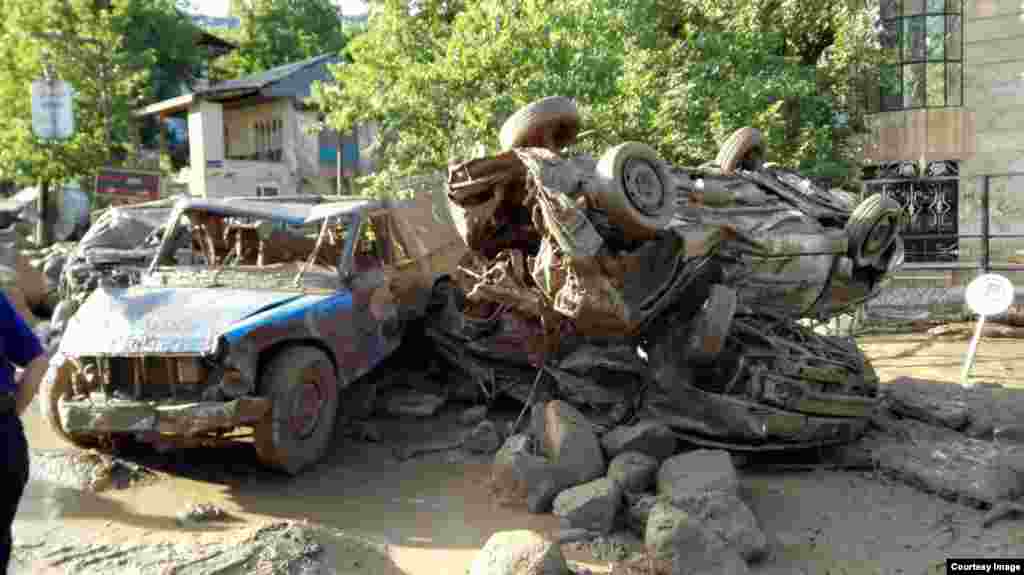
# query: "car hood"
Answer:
x=145 y=320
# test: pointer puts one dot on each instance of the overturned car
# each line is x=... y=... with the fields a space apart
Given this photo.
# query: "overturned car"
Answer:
x=249 y=315
x=634 y=288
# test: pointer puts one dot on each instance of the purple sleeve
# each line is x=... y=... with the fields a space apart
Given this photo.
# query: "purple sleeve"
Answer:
x=20 y=345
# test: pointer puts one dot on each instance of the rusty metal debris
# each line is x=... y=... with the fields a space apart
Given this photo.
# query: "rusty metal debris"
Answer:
x=683 y=285
x=248 y=314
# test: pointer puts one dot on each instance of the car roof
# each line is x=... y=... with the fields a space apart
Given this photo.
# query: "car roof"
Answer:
x=293 y=213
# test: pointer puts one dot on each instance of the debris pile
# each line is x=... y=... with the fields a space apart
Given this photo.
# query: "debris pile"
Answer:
x=635 y=290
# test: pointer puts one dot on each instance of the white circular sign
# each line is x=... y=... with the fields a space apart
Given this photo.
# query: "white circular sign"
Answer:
x=990 y=294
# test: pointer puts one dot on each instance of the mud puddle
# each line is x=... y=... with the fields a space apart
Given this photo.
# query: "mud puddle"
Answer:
x=433 y=512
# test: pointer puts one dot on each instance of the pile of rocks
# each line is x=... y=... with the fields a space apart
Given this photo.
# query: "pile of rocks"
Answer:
x=685 y=505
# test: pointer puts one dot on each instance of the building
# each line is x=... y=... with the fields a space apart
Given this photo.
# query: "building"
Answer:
x=950 y=123
x=254 y=135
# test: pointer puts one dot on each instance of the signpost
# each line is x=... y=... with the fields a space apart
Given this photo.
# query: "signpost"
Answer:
x=989 y=294
x=52 y=119
x=52 y=115
x=128 y=186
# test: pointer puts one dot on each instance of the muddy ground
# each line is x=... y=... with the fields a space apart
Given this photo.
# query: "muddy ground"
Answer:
x=412 y=503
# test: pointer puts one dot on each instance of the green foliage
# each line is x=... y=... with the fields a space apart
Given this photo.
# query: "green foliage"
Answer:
x=440 y=78
x=102 y=73
x=277 y=32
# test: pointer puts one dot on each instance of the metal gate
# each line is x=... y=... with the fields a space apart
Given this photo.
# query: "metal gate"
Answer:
x=929 y=203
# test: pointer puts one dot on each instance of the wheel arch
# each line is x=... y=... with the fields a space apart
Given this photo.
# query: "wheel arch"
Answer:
x=269 y=353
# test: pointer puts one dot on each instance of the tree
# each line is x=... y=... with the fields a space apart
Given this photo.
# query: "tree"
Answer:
x=277 y=32
x=439 y=77
x=82 y=41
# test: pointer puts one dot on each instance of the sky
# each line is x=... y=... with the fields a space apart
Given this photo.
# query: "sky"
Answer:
x=220 y=7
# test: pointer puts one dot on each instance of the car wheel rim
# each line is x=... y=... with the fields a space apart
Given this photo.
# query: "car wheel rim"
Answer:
x=643 y=186
x=307 y=402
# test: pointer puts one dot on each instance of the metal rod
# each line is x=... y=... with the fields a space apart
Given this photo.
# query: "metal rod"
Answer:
x=986 y=239
x=971 y=351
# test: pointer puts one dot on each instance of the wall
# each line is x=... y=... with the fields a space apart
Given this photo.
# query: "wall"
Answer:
x=986 y=134
x=241 y=178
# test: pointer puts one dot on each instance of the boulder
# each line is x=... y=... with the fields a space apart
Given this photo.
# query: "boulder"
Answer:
x=484 y=438
x=637 y=509
x=593 y=505
x=696 y=472
x=633 y=471
x=520 y=552
x=678 y=544
x=569 y=441
x=648 y=437
x=518 y=475
x=728 y=518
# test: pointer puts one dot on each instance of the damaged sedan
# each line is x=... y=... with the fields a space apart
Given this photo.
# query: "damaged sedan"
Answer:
x=633 y=288
x=249 y=315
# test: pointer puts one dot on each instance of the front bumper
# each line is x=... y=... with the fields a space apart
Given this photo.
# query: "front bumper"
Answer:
x=97 y=416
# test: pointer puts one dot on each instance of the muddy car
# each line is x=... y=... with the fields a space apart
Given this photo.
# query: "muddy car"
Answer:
x=249 y=315
x=623 y=278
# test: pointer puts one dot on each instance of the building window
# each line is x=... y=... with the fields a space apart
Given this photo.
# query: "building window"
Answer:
x=261 y=140
x=922 y=43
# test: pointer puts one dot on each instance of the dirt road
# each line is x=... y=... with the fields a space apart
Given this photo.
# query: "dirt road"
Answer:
x=434 y=511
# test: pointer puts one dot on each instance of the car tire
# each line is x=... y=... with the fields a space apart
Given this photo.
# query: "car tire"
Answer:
x=711 y=325
x=552 y=122
x=743 y=149
x=872 y=228
x=893 y=257
x=636 y=190
x=56 y=384
x=301 y=384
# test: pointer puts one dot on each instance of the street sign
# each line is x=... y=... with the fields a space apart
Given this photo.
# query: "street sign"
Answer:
x=128 y=186
x=53 y=117
x=989 y=294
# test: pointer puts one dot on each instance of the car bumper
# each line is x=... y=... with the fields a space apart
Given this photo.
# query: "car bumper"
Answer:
x=91 y=417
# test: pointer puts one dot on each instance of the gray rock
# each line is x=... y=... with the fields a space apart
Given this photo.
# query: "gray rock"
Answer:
x=697 y=472
x=521 y=552
x=473 y=415
x=723 y=514
x=678 y=544
x=569 y=441
x=648 y=437
x=484 y=438
x=638 y=509
x=592 y=505
x=519 y=475
x=633 y=471
x=410 y=402
x=574 y=535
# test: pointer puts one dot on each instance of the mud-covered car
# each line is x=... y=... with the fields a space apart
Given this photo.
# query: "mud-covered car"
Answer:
x=577 y=263
x=257 y=315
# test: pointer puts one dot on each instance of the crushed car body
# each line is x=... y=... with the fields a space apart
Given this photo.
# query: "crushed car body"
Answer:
x=638 y=288
x=249 y=314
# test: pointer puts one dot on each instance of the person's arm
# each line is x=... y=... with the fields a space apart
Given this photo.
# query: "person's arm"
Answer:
x=23 y=349
x=28 y=382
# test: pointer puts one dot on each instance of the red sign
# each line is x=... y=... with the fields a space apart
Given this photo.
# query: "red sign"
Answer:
x=128 y=186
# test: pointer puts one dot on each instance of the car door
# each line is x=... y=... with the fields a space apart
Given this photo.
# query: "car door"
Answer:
x=375 y=313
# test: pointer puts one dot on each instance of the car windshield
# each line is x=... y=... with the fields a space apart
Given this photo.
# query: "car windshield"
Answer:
x=207 y=249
